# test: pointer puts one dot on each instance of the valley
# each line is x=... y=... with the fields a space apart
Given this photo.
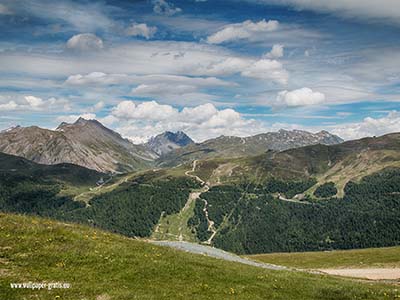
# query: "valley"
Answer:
x=312 y=198
x=315 y=197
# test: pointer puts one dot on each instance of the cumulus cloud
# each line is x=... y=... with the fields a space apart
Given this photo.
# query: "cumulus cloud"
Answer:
x=276 y=52
x=128 y=110
x=245 y=30
x=267 y=69
x=369 y=127
x=31 y=103
x=85 y=42
x=300 y=97
x=143 y=120
x=34 y=101
x=10 y=105
x=141 y=30
x=163 y=7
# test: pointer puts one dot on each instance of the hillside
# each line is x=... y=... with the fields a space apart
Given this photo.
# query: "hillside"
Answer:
x=266 y=203
x=231 y=146
x=131 y=205
x=339 y=163
x=86 y=143
x=69 y=175
x=101 y=265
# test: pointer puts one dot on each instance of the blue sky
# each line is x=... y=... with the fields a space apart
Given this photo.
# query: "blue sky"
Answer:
x=206 y=67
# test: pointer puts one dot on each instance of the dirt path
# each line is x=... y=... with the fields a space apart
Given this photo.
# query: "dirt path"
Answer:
x=280 y=197
x=210 y=223
x=217 y=253
x=373 y=273
x=187 y=173
x=196 y=196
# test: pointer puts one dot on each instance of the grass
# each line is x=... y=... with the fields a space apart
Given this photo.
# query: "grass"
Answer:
x=101 y=265
x=357 y=166
x=173 y=226
x=361 y=258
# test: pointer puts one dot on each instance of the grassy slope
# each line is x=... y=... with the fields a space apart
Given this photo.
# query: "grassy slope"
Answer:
x=361 y=258
x=341 y=163
x=101 y=265
x=173 y=226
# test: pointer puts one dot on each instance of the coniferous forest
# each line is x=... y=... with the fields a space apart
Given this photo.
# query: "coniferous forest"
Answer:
x=255 y=221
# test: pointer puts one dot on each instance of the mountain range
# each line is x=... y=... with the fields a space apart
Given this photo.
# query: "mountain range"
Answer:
x=90 y=144
x=315 y=197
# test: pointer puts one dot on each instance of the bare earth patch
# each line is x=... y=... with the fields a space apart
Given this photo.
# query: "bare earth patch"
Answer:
x=374 y=274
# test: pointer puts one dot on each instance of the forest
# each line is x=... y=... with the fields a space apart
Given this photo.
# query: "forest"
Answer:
x=132 y=209
x=255 y=221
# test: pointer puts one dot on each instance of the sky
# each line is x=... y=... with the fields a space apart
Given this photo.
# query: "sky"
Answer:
x=208 y=68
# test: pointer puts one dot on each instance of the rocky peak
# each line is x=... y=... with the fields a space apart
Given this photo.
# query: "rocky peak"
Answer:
x=168 y=141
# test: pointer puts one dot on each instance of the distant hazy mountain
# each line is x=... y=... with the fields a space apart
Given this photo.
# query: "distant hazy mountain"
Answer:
x=86 y=143
x=231 y=146
x=168 y=141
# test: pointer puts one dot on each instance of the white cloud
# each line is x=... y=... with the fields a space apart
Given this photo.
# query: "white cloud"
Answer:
x=383 y=10
x=99 y=78
x=245 y=30
x=85 y=17
x=163 y=7
x=162 y=88
x=170 y=88
x=141 y=30
x=33 y=101
x=267 y=69
x=227 y=66
x=11 y=105
x=276 y=52
x=145 y=111
x=300 y=97
x=85 y=42
x=135 y=57
x=369 y=127
x=143 y=120
x=96 y=107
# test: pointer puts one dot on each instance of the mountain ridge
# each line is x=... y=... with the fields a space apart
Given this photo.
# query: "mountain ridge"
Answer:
x=86 y=143
x=90 y=144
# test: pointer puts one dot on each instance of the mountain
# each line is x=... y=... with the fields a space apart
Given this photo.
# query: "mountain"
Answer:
x=340 y=163
x=168 y=141
x=317 y=197
x=86 y=143
x=231 y=146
